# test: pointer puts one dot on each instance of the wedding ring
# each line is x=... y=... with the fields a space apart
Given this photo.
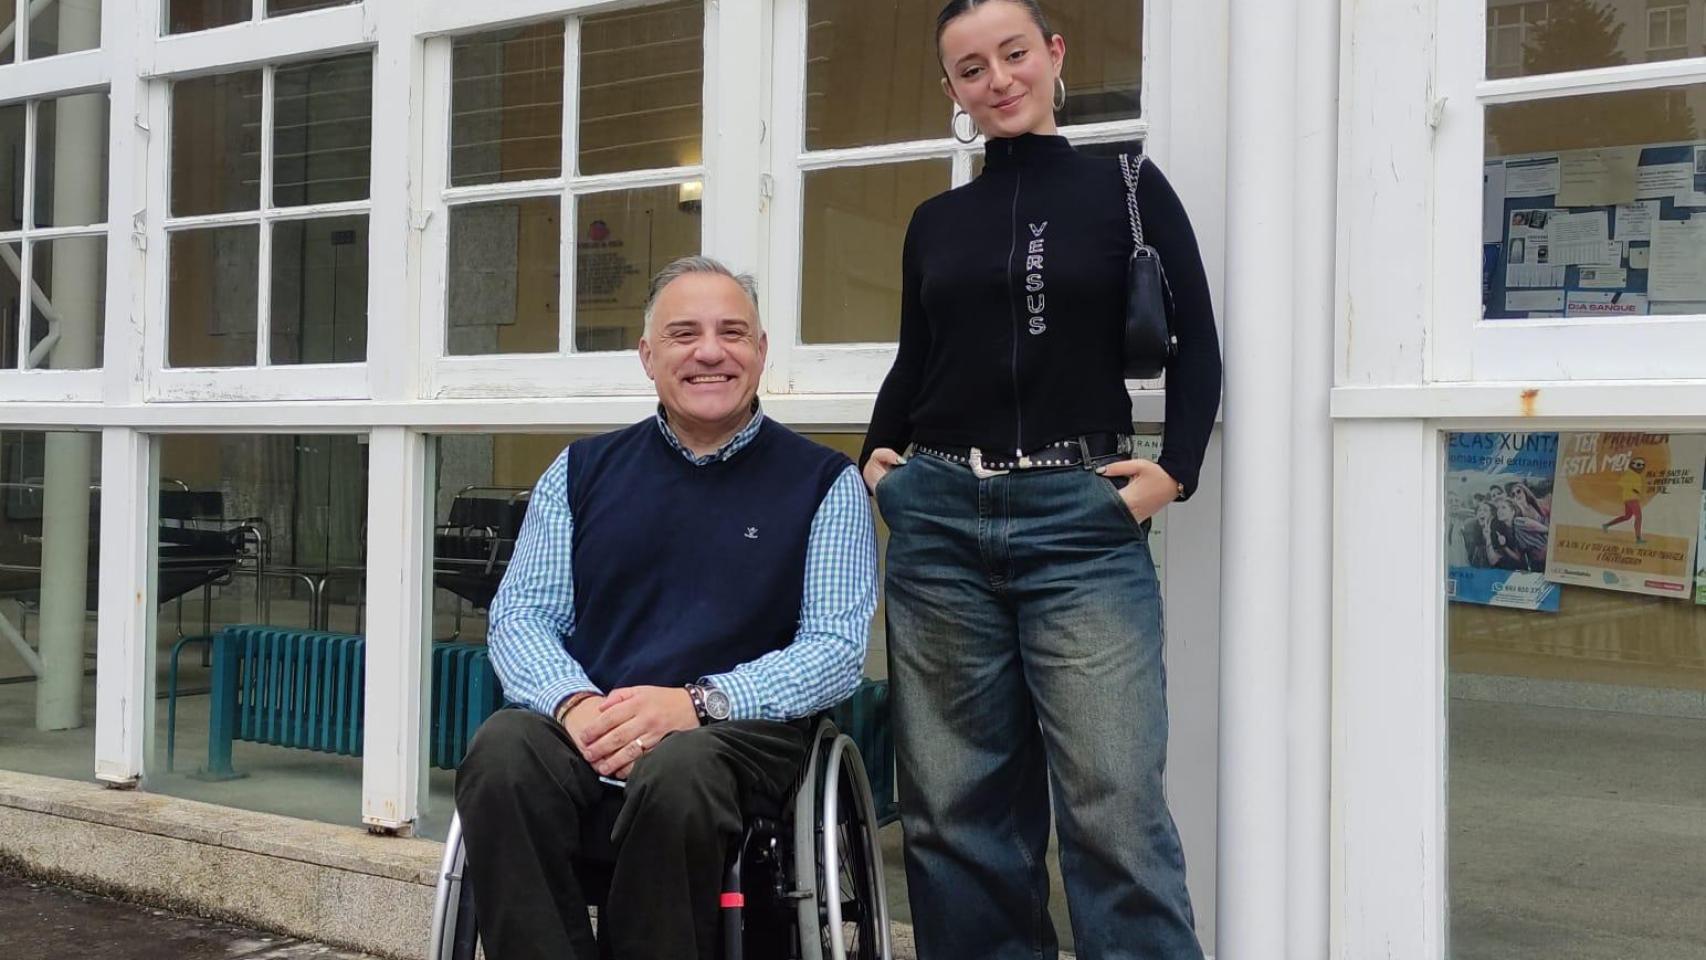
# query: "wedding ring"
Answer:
x=641 y=741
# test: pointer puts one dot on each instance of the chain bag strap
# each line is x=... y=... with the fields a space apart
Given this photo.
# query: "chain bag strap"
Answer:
x=1149 y=342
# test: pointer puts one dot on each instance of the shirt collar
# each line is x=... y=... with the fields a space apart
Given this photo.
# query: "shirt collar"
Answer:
x=736 y=443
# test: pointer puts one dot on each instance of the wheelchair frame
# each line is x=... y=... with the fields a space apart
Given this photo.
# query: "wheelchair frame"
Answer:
x=834 y=833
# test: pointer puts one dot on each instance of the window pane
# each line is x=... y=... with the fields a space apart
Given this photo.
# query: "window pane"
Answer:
x=319 y=291
x=506 y=104
x=12 y=176
x=11 y=264
x=71 y=161
x=49 y=580
x=855 y=225
x=504 y=277
x=641 y=87
x=277 y=8
x=216 y=144
x=323 y=131
x=261 y=531
x=622 y=238
x=65 y=332
x=1577 y=738
x=65 y=26
x=184 y=16
x=8 y=13
x=872 y=75
x=1568 y=35
x=214 y=274
x=1593 y=206
x=1104 y=61
x=484 y=483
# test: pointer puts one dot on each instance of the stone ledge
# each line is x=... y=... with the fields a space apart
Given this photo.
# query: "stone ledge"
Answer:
x=317 y=881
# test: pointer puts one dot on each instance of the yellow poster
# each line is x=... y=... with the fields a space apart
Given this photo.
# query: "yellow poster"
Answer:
x=1626 y=511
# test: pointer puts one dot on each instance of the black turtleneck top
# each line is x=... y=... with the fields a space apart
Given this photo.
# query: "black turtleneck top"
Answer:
x=1012 y=306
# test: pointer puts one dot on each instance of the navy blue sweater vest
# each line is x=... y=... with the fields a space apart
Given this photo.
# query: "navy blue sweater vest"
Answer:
x=685 y=571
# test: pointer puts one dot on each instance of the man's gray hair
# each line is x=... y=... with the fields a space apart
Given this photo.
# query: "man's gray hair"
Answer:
x=676 y=269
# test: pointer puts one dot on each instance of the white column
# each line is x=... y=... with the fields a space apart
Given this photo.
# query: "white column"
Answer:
x=393 y=772
x=79 y=132
x=736 y=58
x=1389 y=735
x=1308 y=837
x=124 y=692
x=1255 y=587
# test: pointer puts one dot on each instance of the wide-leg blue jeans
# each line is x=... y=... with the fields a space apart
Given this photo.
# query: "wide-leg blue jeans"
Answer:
x=1025 y=658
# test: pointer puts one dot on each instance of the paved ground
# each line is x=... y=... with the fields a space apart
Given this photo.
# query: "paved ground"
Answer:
x=41 y=920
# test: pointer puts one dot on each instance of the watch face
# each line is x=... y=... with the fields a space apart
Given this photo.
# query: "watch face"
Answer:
x=716 y=704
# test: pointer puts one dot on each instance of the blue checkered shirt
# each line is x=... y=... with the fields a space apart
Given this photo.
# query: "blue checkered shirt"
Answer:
x=534 y=611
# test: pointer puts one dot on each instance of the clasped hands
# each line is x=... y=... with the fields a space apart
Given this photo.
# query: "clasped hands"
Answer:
x=613 y=731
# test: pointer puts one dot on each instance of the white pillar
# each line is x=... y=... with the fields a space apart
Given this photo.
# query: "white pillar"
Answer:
x=80 y=131
x=124 y=692
x=393 y=769
x=1308 y=839
x=1255 y=586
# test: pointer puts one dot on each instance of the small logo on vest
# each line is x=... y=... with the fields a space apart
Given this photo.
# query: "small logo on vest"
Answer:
x=752 y=533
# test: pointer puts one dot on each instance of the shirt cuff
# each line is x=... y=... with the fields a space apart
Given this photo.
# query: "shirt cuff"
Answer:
x=552 y=695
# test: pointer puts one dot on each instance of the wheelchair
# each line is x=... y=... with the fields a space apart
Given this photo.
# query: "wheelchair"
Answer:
x=804 y=883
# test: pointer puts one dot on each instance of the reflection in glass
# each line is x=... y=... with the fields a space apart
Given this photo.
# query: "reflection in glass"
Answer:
x=1577 y=739
x=212 y=303
x=216 y=144
x=64 y=26
x=71 y=161
x=621 y=239
x=8 y=12
x=12 y=175
x=506 y=106
x=872 y=75
x=49 y=582
x=1592 y=206
x=1104 y=58
x=67 y=319
x=11 y=269
x=185 y=16
x=323 y=131
x=641 y=87
x=261 y=530
x=319 y=291
x=278 y=8
x=1529 y=37
x=505 y=277
x=856 y=221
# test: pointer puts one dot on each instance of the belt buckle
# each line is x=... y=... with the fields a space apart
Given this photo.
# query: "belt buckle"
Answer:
x=978 y=469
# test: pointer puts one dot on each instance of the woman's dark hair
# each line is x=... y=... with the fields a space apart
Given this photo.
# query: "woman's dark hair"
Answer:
x=956 y=8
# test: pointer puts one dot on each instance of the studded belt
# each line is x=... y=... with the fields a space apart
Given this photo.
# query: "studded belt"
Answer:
x=1071 y=452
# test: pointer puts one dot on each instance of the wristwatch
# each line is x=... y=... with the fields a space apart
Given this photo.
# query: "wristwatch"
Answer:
x=709 y=703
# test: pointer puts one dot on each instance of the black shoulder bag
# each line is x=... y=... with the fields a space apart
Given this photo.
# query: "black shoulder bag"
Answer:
x=1149 y=342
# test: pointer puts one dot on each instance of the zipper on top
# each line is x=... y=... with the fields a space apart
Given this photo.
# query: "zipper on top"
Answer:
x=1013 y=312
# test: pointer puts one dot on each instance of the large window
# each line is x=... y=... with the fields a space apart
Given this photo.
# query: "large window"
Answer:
x=1577 y=693
x=186 y=16
x=268 y=231
x=53 y=239
x=565 y=190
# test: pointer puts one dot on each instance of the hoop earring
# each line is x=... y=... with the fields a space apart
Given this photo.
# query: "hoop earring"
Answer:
x=954 y=127
x=1059 y=93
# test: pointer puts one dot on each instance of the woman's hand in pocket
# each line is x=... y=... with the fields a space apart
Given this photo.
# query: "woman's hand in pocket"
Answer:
x=1150 y=490
x=882 y=461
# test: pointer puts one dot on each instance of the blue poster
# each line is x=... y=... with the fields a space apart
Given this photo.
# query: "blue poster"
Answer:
x=1498 y=508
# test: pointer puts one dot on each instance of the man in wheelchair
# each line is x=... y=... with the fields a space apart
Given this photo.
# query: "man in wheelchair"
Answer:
x=685 y=594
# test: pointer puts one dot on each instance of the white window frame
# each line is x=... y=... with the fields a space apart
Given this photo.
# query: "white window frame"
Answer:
x=799 y=367
x=565 y=371
x=264 y=45
x=1675 y=44
x=1466 y=348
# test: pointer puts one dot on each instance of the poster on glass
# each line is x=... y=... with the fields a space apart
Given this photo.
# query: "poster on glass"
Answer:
x=1498 y=499
x=1626 y=511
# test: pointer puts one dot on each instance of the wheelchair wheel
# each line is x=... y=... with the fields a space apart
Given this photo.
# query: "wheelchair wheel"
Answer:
x=455 y=933
x=849 y=914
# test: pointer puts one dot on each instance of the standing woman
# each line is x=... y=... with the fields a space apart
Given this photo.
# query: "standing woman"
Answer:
x=1025 y=636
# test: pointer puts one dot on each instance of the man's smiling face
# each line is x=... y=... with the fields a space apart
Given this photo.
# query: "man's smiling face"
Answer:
x=705 y=351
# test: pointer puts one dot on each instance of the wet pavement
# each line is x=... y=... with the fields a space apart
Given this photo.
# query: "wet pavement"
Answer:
x=39 y=920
